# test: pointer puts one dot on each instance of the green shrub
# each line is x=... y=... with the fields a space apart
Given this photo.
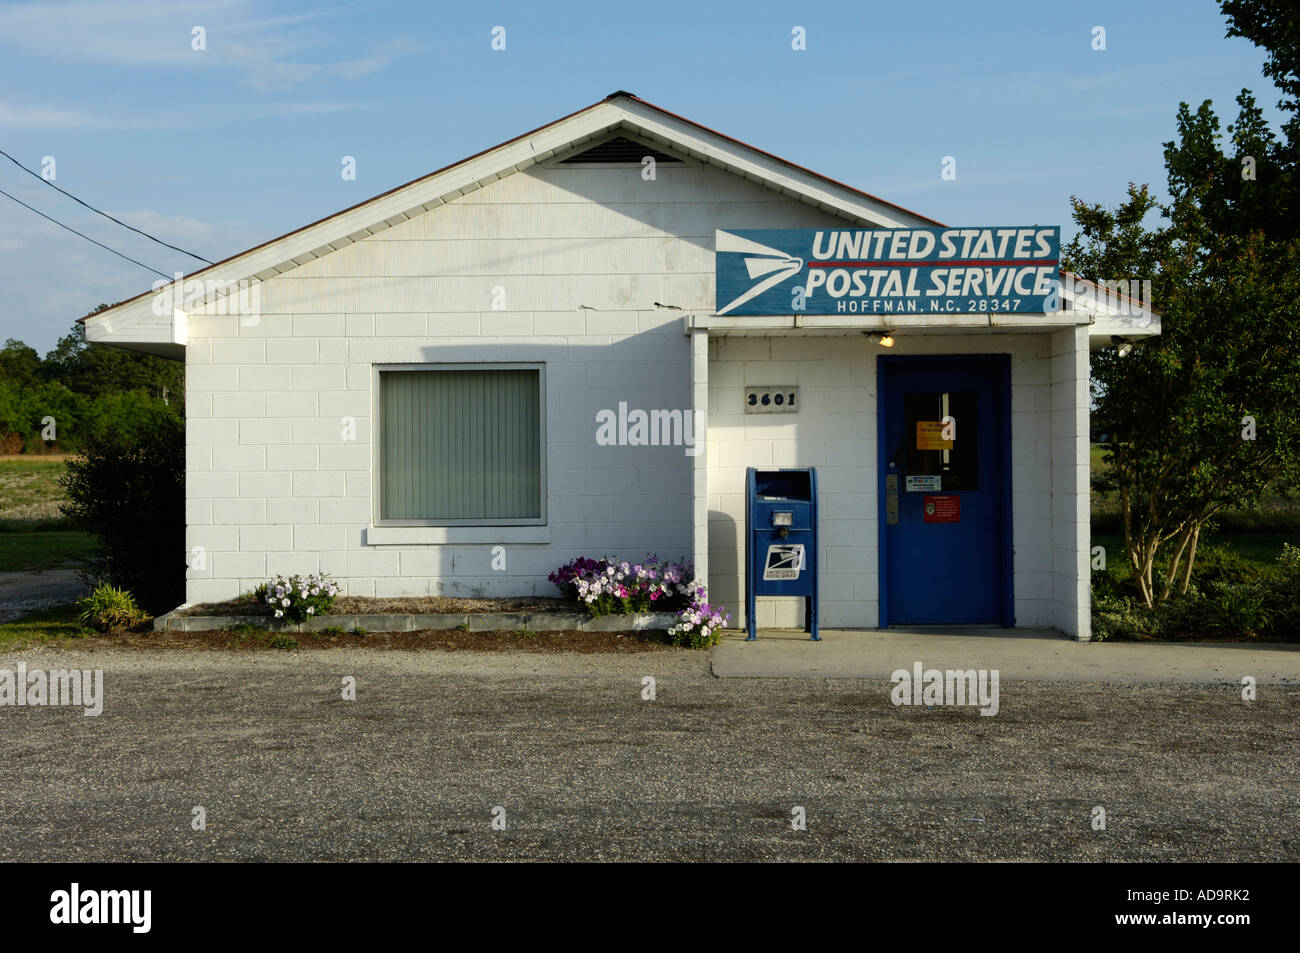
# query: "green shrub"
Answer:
x=129 y=492
x=1239 y=610
x=1282 y=596
x=283 y=642
x=1120 y=618
x=1222 y=565
x=1231 y=597
x=107 y=608
x=1191 y=616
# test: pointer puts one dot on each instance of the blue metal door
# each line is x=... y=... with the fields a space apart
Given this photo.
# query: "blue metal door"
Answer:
x=945 y=490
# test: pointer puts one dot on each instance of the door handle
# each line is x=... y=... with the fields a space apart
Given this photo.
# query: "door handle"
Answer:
x=891 y=499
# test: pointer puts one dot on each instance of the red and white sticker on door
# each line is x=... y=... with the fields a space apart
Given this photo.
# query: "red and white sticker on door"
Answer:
x=941 y=509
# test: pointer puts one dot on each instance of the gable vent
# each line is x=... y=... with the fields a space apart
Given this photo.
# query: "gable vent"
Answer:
x=619 y=150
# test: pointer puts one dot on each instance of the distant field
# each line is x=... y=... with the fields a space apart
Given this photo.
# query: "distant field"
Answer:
x=1257 y=535
x=34 y=535
x=29 y=487
x=1276 y=514
x=1258 y=547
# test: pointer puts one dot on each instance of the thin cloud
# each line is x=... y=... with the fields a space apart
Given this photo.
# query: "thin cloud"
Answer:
x=269 y=52
x=50 y=118
x=60 y=119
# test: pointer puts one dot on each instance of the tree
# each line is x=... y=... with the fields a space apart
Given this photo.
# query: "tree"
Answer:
x=100 y=371
x=128 y=490
x=1273 y=26
x=1203 y=415
x=19 y=364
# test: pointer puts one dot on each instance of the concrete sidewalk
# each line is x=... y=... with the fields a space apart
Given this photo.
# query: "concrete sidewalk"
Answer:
x=1031 y=654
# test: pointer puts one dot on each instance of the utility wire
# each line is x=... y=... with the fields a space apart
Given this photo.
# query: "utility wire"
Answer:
x=98 y=212
x=86 y=237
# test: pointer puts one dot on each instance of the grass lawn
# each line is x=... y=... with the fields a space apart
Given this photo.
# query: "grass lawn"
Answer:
x=34 y=535
x=1257 y=547
x=54 y=626
x=29 y=487
x=35 y=550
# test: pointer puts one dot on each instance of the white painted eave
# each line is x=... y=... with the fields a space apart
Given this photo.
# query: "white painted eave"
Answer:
x=730 y=324
x=133 y=321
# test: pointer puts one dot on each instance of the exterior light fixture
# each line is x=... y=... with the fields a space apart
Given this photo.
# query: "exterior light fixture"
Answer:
x=883 y=338
x=1123 y=346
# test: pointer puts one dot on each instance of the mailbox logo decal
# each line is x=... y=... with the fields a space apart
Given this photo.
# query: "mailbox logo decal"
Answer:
x=784 y=561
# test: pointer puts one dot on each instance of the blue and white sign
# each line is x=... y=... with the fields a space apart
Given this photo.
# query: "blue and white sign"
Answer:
x=889 y=271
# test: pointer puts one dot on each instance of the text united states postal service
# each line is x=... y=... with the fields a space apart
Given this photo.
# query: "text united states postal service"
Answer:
x=883 y=271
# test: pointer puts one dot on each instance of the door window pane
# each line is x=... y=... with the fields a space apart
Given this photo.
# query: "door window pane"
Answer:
x=925 y=451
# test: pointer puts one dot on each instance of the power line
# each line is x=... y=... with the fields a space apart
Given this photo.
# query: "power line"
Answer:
x=98 y=212
x=86 y=237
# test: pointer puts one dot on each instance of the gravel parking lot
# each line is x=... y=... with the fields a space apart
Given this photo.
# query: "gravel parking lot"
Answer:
x=586 y=769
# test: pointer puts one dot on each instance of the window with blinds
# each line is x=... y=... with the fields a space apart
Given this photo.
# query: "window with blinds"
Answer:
x=460 y=444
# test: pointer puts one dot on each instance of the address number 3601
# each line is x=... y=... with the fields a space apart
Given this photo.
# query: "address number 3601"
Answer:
x=771 y=400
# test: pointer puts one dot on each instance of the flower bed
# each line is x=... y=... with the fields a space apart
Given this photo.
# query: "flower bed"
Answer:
x=602 y=595
x=295 y=598
x=250 y=605
x=608 y=586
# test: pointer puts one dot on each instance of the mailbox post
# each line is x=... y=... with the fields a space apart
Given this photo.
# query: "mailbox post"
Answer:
x=781 y=540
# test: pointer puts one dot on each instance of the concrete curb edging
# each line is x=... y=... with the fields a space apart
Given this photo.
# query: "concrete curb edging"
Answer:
x=472 y=622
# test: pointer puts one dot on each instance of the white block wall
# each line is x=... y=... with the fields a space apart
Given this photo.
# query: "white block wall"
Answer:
x=1071 y=473
x=583 y=255
x=835 y=431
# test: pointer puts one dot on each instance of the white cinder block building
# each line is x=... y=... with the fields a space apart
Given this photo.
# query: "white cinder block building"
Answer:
x=459 y=385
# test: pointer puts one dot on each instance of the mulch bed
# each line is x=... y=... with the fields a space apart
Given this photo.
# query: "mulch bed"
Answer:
x=451 y=640
x=431 y=605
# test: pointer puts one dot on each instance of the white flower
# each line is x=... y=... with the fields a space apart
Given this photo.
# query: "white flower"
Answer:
x=278 y=613
x=285 y=603
x=311 y=610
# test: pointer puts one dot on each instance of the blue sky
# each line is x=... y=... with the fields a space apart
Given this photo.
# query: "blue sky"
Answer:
x=221 y=149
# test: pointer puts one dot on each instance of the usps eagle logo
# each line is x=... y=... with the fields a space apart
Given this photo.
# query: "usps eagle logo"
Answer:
x=784 y=561
x=765 y=265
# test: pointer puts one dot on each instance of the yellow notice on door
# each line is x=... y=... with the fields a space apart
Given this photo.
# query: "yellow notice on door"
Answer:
x=929 y=436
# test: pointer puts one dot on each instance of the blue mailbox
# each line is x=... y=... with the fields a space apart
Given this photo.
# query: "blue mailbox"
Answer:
x=781 y=540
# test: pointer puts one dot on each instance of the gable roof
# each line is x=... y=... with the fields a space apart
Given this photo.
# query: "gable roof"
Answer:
x=619 y=110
